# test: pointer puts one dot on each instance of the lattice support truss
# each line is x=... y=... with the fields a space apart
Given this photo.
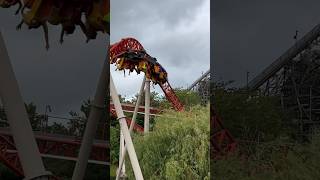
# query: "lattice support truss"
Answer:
x=202 y=87
x=297 y=83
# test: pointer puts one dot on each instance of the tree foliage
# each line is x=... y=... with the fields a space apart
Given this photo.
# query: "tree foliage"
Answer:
x=248 y=115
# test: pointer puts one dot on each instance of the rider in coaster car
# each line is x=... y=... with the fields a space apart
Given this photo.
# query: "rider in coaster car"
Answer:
x=120 y=63
x=162 y=75
x=132 y=66
x=157 y=68
x=142 y=66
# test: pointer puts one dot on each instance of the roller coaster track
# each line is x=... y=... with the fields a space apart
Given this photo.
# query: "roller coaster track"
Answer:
x=294 y=79
x=131 y=45
x=201 y=78
x=60 y=146
x=130 y=108
x=51 y=146
x=304 y=43
x=221 y=139
x=222 y=142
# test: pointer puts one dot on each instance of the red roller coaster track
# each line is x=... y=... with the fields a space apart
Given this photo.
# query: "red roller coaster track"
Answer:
x=131 y=45
x=221 y=139
x=59 y=146
x=50 y=145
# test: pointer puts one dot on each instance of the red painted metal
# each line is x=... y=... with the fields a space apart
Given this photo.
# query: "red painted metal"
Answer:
x=221 y=139
x=171 y=96
x=125 y=45
x=129 y=107
x=136 y=126
x=49 y=144
x=8 y=157
x=132 y=45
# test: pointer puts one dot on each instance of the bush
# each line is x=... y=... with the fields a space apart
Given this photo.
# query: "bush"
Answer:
x=114 y=144
x=187 y=98
x=249 y=116
x=276 y=160
x=178 y=148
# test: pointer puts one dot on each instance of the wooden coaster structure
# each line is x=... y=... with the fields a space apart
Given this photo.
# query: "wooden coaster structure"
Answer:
x=129 y=54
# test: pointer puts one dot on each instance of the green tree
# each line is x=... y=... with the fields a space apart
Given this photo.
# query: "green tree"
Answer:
x=248 y=115
x=57 y=128
x=187 y=98
x=34 y=117
x=155 y=99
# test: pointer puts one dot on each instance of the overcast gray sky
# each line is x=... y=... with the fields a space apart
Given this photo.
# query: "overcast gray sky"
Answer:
x=176 y=32
x=62 y=77
x=249 y=35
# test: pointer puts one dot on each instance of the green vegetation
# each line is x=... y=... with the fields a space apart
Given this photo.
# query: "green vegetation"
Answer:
x=178 y=148
x=276 y=160
x=267 y=146
x=248 y=115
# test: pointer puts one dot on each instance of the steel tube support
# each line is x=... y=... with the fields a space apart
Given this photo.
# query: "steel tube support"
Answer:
x=134 y=117
x=136 y=108
x=147 y=107
x=124 y=128
x=96 y=113
x=122 y=167
x=20 y=126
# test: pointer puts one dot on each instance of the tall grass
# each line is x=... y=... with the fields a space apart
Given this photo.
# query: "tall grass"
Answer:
x=178 y=148
x=276 y=160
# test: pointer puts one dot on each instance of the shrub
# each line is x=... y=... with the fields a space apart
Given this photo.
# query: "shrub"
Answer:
x=276 y=160
x=249 y=116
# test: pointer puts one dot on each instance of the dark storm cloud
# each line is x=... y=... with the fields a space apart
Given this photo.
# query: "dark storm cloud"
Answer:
x=62 y=77
x=250 y=35
x=177 y=33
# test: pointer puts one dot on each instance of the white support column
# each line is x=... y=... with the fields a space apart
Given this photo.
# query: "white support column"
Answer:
x=124 y=128
x=147 y=107
x=96 y=113
x=136 y=108
x=122 y=170
x=20 y=126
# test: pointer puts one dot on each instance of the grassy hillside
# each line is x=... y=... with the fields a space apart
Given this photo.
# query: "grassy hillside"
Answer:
x=276 y=160
x=178 y=148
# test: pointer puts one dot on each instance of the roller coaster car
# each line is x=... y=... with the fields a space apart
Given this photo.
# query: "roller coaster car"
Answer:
x=55 y=17
x=9 y=3
x=70 y=16
x=141 y=61
x=37 y=16
x=96 y=19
